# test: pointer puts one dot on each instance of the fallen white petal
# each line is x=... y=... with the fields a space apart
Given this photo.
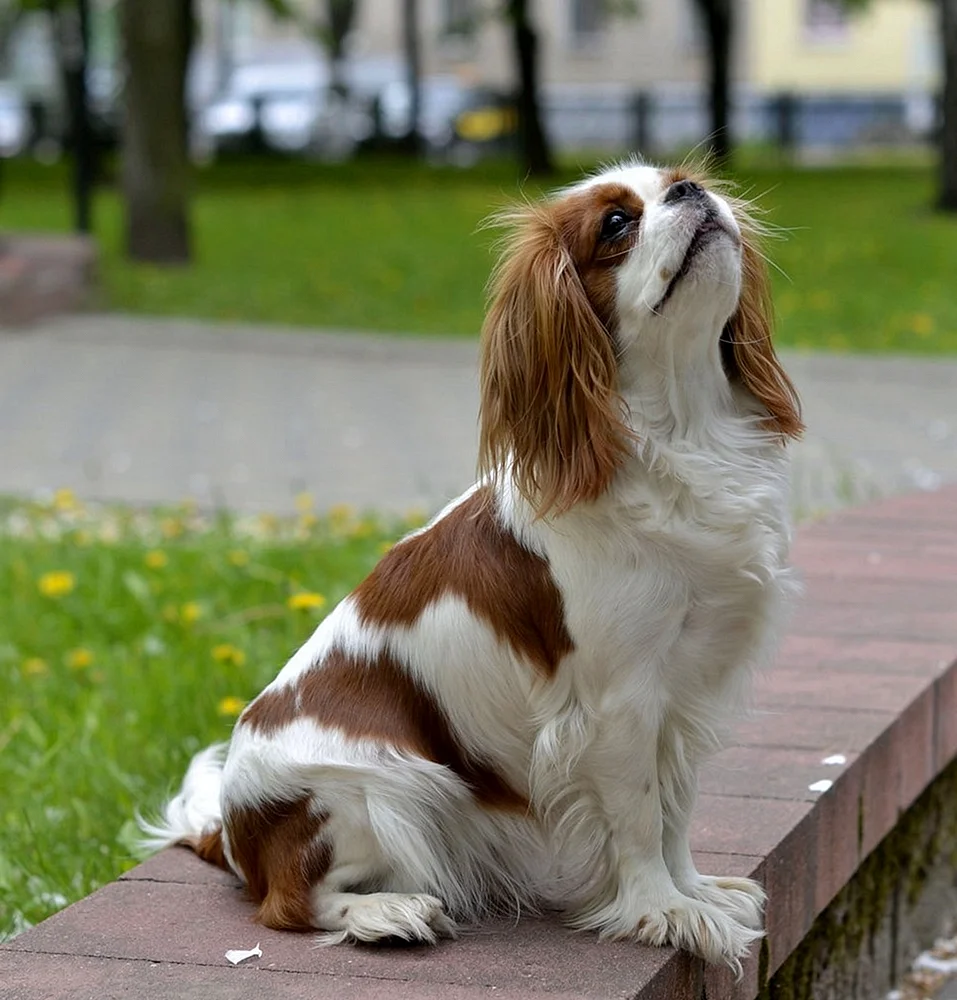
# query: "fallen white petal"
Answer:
x=820 y=786
x=946 y=965
x=835 y=758
x=237 y=955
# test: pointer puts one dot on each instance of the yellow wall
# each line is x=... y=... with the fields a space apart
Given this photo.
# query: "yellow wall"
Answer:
x=885 y=48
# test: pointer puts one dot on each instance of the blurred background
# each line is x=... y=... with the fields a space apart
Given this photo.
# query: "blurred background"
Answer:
x=176 y=170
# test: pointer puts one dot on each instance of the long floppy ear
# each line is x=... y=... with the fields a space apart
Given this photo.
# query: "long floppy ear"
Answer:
x=748 y=351
x=550 y=409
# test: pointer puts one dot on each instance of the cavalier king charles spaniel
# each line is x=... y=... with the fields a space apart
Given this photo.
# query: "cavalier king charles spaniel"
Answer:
x=511 y=710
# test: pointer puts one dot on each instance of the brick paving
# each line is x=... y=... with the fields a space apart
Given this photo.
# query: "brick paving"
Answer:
x=153 y=410
x=42 y=275
x=868 y=671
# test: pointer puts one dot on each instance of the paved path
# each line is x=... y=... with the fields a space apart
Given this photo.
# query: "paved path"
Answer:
x=158 y=410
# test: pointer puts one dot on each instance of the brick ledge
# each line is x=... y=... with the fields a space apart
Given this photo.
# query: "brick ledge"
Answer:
x=868 y=670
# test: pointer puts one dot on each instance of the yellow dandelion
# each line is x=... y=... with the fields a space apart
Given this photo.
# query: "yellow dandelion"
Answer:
x=171 y=527
x=307 y=521
x=79 y=658
x=340 y=515
x=226 y=652
x=155 y=559
x=35 y=667
x=230 y=706
x=239 y=557
x=268 y=524
x=304 y=502
x=363 y=529
x=305 y=600
x=922 y=324
x=57 y=583
x=190 y=612
x=65 y=500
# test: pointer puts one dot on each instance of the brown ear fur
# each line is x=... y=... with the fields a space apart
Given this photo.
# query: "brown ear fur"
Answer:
x=549 y=375
x=748 y=351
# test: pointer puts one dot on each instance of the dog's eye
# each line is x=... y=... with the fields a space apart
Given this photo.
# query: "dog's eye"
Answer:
x=614 y=225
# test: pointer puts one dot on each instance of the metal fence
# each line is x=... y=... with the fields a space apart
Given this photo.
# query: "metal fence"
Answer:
x=617 y=120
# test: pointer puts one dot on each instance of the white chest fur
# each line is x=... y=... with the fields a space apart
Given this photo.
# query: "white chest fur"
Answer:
x=676 y=580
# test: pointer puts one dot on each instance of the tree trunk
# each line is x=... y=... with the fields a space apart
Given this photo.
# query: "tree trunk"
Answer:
x=157 y=38
x=534 y=148
x=71 y=31
x=412 y=140
x=340 y=18
x=717 y=18
x=947 y=200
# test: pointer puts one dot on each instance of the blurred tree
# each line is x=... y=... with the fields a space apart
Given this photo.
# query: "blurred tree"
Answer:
x=71 y=32
x=717 y=20
x=947 y=199
x=947 y=134
x=413 y=74
x=534 y=148
x=332 y=33
x=157 y=39
x=70 y=27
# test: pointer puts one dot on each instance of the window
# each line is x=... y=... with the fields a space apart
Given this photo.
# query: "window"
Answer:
x=588 y=20
x=459 y=18
x=825 y=20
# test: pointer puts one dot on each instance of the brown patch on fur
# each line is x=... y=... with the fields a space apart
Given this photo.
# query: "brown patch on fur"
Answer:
x=748 y=351
x=271 y=709
x=209 y=847
x=549 y=373
x=278 y=848
x=378 y=699
x=469 y=554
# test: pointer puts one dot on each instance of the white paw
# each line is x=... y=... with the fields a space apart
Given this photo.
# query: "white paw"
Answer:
x=742 y=899
x=684 y=923
x=379 y=916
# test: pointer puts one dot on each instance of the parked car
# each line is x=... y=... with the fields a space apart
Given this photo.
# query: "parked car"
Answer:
x=456 y=122
x=15 y=125
x=284 y=108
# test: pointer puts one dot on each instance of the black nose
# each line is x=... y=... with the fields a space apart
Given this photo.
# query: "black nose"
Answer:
x=683 y=191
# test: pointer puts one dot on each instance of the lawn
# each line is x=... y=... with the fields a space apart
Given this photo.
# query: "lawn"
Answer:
x=381 y=245
x=128 y=641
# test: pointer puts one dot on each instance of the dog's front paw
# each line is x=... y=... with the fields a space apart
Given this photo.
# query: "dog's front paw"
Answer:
x=742 y=899
x=688 y=924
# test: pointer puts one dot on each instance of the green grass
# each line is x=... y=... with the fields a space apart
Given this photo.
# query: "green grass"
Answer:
x=140 y=651
x=384 y=245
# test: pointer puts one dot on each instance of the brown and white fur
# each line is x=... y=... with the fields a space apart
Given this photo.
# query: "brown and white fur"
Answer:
x=511 y=710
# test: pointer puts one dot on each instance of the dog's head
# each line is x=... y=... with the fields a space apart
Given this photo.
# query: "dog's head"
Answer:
x=636 y=267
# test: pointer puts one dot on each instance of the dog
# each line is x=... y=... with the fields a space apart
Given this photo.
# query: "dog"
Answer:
x=511 y=710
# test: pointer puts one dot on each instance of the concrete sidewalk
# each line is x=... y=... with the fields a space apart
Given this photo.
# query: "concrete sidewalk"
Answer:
x=153 y=410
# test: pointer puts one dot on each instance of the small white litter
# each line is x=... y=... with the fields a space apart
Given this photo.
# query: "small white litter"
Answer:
x=820 y=786
x=237 y=955
x=834 y=759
